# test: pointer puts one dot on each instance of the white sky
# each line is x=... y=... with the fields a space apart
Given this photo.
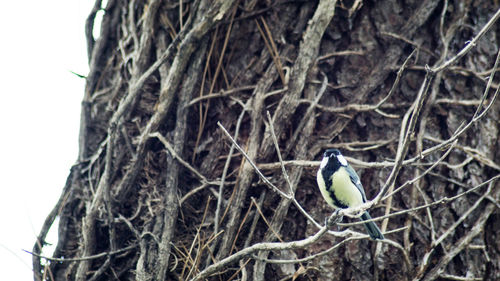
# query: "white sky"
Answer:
x=41 y=42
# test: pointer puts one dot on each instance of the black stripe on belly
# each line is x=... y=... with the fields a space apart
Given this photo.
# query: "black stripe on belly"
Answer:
x=336 y=201
x=331 y=192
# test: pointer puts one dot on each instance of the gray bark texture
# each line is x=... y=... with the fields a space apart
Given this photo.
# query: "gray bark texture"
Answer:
x=203 y=123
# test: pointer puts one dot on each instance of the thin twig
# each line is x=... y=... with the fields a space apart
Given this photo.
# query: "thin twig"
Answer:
x=331 y=249
x=265 y=246
x=425 y=260
x=262 y=177
x=220 y=94
x=341 y=53
x=224 y=172
x=93 y=257
x=443 y=200
x=174 y=154
x=470 y=44
x=276 y=145
x=423 y=174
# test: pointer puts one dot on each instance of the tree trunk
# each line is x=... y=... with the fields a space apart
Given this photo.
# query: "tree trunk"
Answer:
x=160 y=191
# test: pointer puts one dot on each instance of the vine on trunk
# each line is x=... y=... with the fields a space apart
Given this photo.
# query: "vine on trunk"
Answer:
x=202 y=123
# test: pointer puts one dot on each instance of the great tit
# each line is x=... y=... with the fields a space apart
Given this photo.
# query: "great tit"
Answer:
x=340 y=186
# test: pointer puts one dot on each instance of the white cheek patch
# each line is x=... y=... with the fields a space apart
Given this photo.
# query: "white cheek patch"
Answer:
x=323 y=162
x=342 y=160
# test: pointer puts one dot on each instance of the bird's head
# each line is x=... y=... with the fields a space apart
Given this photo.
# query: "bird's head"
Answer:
x=333 y=158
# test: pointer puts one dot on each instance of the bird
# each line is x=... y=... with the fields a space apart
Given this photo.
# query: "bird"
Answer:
x=341 y=187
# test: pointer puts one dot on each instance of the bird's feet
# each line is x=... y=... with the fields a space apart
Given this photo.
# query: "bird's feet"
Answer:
x=334 y=218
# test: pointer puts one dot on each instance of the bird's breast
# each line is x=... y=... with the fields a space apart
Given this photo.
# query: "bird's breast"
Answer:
x=344 y=190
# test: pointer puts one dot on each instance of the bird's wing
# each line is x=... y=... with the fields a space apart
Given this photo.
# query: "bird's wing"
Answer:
x=356 y=181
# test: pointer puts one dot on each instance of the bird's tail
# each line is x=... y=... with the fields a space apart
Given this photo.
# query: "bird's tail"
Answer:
x=371 y=227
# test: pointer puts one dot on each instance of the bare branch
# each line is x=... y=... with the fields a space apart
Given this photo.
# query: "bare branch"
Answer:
x=262 y=177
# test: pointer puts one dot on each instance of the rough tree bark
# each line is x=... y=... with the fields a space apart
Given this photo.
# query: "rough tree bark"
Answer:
x=203 y=122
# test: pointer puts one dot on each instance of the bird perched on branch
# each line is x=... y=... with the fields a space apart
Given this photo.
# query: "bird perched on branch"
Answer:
x=340 y=186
